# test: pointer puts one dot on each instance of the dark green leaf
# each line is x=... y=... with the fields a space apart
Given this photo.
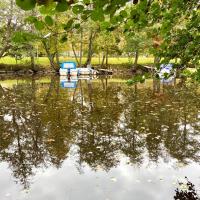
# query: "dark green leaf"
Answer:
x=123 y=13
x=48 y=9
x=31 y=19
x=62 y=6
x=77 y=26
x=63 y=39
x=39 y=25
x=86 y=2
x=77 y=9
x=97 y=15
x=26 y=4
x=105 y=25
x=49 y=20
x=68 y=25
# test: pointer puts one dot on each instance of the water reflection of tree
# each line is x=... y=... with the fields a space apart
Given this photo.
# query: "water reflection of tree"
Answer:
x=22 y=125
x=39 y=123
x=158 y=119
x=96 y=136
x=56 y=116
x=180 y=138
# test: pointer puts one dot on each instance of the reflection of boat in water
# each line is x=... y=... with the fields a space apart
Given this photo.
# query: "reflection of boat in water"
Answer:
x=72 y=81
x=167 y=73
x=73 y=86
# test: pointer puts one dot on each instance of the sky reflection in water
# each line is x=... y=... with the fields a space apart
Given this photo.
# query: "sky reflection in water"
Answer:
x=102 y=140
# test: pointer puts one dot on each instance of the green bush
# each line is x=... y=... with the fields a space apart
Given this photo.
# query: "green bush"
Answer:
x=196 y=75
x=137 y=79
x=186 y=73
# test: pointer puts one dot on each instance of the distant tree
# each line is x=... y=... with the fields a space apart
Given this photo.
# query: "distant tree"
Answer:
x=108 y=43
x=137 y=43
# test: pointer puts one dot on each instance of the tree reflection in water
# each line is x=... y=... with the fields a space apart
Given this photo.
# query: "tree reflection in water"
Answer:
x=42 y=124
x=186 y=191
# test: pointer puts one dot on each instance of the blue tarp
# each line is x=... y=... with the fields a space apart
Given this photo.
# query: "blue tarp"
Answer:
x=68 y=84
x=68 y=65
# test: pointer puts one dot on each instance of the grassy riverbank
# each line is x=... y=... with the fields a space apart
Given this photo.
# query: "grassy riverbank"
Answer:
x=95 y=61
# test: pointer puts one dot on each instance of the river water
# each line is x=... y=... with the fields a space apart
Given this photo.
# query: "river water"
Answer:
x=97 y=139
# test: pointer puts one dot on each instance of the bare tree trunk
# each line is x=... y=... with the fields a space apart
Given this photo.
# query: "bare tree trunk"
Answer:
x=156 y=63
x=107 y=57
x=90 y=49
x=156 y=82
x=50 y=56
x=32 y=56
x=57 y=53
x=136 y=57
x=56 y=42
x=74 y=51
x=103 y=59
x=81 y=47
x=156 y=85
x=99 y=58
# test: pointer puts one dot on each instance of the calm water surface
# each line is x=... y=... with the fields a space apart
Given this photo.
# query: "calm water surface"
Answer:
x=98 y=140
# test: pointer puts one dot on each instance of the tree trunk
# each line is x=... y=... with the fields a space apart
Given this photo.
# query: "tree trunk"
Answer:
x=74 y=51
x=136 y=57
x=81 y=47
x=32 y=60
x=107 y=57
x=56 y=42
x=30 y=49
x=103 y=59
x=50 y=56
x=156 y=82
x=90 y=50
x=156 y=85
x=156 y=63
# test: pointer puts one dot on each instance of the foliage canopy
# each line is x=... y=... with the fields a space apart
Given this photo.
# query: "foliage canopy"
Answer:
x=173 y=25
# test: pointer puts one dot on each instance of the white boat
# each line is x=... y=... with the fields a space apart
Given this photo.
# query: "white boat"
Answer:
x=69 y=69
x=167 y=73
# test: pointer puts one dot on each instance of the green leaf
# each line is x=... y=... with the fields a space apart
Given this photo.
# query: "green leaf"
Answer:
x=85 y=14
x=114 y=20
x=105 y=25
x=77 y=26
x=39 y=25
x=31 y=19
x=97 y=15
x=26 y=4
x=86 y=2
x=23 y=37
x=48 y=9
x=64 y=38
x=119 y=18
x=123 y=13
x=68 y=25
x=130 y=23
x=77 y=9
x=62 y=6
x=49 y=21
